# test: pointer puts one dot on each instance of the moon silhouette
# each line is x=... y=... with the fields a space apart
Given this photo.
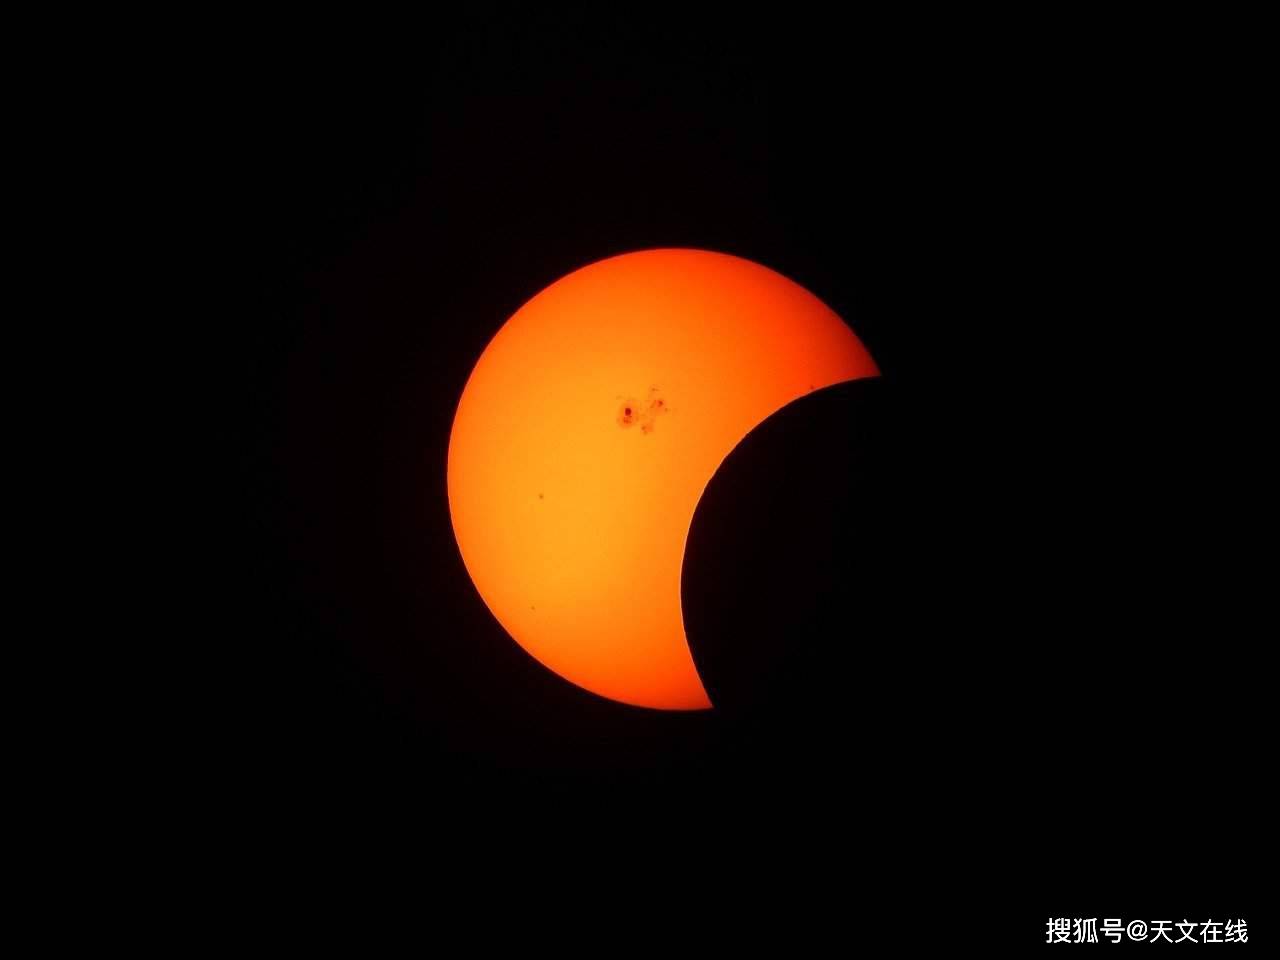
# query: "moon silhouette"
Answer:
x=589 y=429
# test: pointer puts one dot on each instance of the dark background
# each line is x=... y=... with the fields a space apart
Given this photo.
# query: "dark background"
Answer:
x=1028 y=682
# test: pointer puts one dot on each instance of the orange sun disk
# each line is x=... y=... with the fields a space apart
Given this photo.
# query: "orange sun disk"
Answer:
x=587 y=432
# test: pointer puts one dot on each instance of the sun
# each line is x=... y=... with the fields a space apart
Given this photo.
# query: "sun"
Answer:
x=587 y=432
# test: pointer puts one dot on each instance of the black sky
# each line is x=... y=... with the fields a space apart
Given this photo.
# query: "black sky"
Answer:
x=1021 y=227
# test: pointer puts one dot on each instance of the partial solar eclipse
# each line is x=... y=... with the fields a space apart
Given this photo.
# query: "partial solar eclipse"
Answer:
x=588 y=431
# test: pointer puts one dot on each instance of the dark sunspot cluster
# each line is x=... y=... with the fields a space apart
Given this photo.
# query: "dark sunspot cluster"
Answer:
x=644 y=413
